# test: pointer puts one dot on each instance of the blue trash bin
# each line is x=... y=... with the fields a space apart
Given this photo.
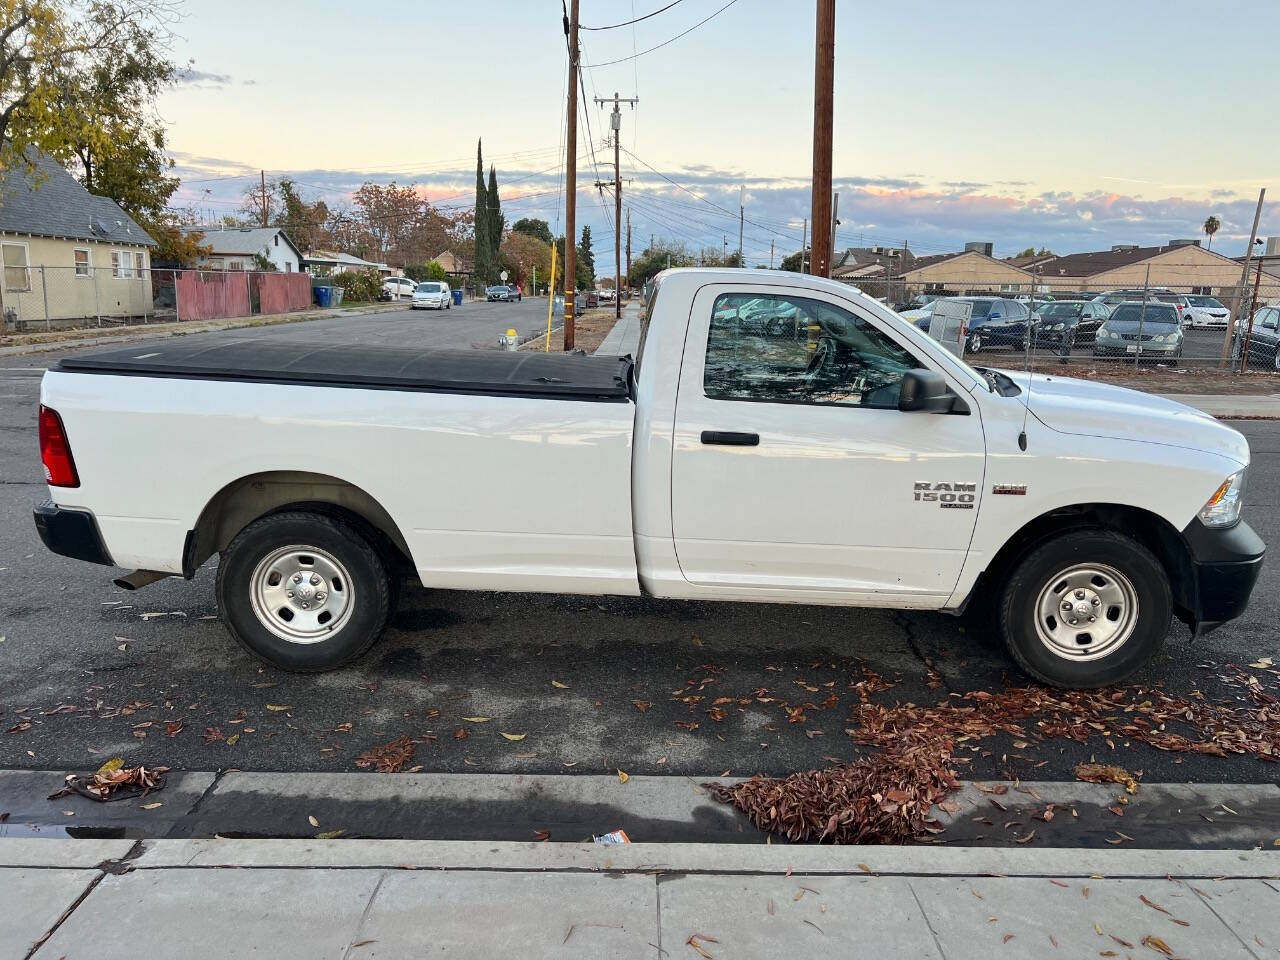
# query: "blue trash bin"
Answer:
x=324 y=296
x=457 y=297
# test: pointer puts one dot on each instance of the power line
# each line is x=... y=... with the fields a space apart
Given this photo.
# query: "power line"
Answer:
x=627 y=23
x=610 y=63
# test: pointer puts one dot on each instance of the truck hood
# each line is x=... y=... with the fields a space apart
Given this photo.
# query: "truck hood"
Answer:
x=1094 y=409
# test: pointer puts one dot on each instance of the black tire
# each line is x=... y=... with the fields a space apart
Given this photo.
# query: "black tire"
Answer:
x=1018 y=608
x=370 y=589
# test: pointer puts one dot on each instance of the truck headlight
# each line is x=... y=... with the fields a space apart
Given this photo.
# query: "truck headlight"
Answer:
x=1223 y=508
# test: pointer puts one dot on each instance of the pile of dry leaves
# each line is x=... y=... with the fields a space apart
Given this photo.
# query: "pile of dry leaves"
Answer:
x=885 y=798
x=114 y=781
x=888 y=796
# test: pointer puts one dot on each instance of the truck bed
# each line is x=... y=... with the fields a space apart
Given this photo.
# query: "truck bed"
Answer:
x=547 y=376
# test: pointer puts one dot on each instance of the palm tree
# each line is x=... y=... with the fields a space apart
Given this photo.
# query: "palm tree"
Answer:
x=1211 y=226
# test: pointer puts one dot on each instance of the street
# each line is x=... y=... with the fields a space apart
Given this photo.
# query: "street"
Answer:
x=583 y=685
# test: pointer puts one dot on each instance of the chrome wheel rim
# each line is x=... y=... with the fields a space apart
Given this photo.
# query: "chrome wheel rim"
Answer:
x=975 y=342
x=1086 y=612
x=301 y=594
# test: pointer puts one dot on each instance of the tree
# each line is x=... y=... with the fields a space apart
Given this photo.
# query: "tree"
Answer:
x=792 y=262
x=538 y=229
x=521 y=253
x=431 y=270
x=656 y=259
x=483 y=269
x=497 y=222
x=45 y=43
x=1029 y=252
x=1211 y=226
x=584 y=274
x=586 y=258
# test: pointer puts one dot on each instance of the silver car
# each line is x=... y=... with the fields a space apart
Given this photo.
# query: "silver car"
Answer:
x=1134 y=329
x=431 y=295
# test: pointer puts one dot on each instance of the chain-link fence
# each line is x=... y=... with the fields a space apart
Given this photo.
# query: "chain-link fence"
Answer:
x=38 y=298
x=1175 y=326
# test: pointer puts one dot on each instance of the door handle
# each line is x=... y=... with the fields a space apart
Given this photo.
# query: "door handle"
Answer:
x=730 y=438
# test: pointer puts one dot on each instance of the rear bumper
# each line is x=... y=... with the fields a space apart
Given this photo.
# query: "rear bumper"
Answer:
x=1225 y=565
x=71 y=533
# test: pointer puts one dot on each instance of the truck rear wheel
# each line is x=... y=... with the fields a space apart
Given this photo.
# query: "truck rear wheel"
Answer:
x=1086 y=609
x=303 y=592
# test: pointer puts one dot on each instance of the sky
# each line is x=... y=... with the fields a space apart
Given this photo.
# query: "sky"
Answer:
x=1070 y=126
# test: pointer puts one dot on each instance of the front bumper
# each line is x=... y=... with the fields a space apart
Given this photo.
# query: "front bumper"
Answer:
x=1225 y=564
x=71 y=533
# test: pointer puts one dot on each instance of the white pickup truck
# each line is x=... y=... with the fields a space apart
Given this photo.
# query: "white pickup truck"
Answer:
x=779 y=438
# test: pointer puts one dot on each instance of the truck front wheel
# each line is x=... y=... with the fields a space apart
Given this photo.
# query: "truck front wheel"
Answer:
x=303 y=591
x=1086 y=609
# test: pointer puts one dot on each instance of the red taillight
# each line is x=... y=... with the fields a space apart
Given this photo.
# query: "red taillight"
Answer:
x=59 y=467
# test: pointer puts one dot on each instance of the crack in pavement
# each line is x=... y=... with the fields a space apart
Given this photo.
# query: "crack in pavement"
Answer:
x=908 y=631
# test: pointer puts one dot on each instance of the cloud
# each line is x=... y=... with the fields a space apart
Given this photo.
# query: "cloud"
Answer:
x=202 y=80
x=933 y=217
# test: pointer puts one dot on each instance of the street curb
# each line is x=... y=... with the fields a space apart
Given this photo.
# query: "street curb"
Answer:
x=704 y=858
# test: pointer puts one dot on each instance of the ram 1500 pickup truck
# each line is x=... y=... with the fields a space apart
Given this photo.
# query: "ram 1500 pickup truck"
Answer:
x=778 y=438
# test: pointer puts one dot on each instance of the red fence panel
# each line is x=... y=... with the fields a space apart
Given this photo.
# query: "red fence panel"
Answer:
x=208 y=295
x=283 y=292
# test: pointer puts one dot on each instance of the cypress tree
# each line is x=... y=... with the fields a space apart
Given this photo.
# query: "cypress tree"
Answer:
x=484 y=247
x=496 y=220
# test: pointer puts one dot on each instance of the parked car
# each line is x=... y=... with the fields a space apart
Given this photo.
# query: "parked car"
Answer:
x=1064 y=323
x=398 y=288
x=920 y=316
x=1134 y=329
x=432 y=295
x=1263 y=339
x=605 y=295
x=1113 y=298
x=995 y=322
x=498 y=292
x=1207 y=312
x=590 y=299
x=1128 y=505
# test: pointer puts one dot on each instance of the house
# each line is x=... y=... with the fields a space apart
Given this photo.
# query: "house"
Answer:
x=872 y=262
x=453 y=264
x=235 y=248
x=68 y=254
x=1181 y=266
x=325 y=263
x=969 y=271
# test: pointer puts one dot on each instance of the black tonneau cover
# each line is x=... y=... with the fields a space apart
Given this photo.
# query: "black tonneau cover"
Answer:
x=488 y=372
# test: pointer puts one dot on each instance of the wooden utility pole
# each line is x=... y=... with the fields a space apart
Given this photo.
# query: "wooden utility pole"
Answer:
x=742 y=213
x=835 y=224
x=626 y=277
x=771 y=254
x=1244 y=281
x=571 y=179
x=824 y=70
x=263 y=175
x=615 y=124
x=804 y=242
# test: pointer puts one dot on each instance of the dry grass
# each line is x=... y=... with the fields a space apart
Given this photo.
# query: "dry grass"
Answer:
x=590 y=329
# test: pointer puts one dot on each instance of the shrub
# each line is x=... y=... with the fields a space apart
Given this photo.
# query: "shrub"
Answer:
x=431 y=270
x=358 y=285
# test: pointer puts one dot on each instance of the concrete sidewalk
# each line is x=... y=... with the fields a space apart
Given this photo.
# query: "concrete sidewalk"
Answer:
x=624 y=338
x=386 y=898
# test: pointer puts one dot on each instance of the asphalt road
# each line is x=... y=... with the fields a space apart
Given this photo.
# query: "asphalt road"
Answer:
x=585 y=685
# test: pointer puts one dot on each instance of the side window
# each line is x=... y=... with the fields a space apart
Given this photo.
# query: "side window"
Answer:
x=1269 y=319
x=780 y=349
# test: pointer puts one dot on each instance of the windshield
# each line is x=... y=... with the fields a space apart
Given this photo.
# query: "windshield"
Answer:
x=430 y=287
x=1155 y=313
x=981 y=308
x=1211 y=302
x=1060 y=309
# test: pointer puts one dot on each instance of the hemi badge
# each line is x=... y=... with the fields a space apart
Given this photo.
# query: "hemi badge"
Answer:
x=1010 y=489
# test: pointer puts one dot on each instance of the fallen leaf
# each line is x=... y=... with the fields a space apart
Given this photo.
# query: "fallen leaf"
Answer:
x=541 y=835
x=515 y=736
x=1155 y=943
x=330 y=835
x=1006 y=938
x=559 y=686
x=111 y=766
x=1152 y=904
x=313 y=821
x=278 y=707
x=623 y=777
x=693 y=940
x=233 y=739
x=461 y=733
x=641 y=705
x=1262 y=663
x=173 y=728
x=152 y=806
x=476 y=719
x=864 y=868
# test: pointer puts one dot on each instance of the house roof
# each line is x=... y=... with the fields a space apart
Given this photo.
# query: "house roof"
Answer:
x=1099 y=261
x=936 y=258
x=855 y=261
x=1024 y=263
x=241 y=241
x=55 y=204
x=341 y=259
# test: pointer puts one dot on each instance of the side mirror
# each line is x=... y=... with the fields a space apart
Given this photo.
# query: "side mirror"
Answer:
x=925 y=390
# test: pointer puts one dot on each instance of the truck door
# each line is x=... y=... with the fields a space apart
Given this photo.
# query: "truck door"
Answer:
x=793 y=469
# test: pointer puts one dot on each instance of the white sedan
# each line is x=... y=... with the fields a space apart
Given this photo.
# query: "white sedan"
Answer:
x=396 y=288
x=431 y=295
